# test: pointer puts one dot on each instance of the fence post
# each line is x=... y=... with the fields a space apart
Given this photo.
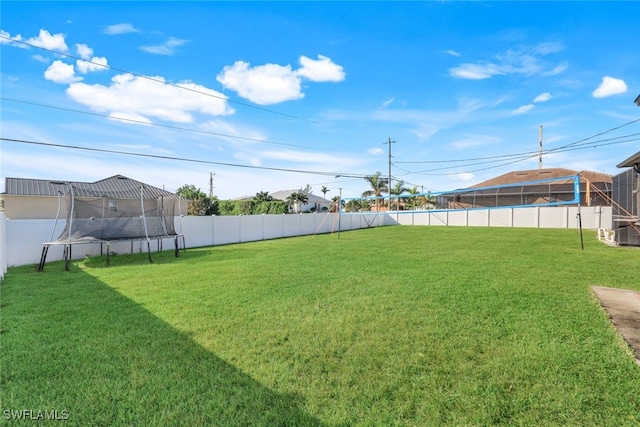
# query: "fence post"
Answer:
x=3 y=245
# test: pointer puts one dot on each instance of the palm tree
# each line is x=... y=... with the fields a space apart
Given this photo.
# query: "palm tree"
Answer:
x=397 y=190
x=324 y=191
x=430 y=201
x=296 y=198
x=263 y=196
x=413 y=197
x=378 y=184
x=334 y=204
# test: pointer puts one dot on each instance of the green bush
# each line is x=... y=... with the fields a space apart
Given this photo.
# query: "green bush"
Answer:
x=251 y=207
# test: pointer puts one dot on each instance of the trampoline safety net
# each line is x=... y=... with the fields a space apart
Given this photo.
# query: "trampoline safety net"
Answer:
x=131 y=214
x=117 y=219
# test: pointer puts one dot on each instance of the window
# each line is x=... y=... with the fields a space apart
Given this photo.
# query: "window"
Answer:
x=113 y=206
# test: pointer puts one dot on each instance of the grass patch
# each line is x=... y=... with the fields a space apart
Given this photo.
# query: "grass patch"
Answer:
x=386 y=326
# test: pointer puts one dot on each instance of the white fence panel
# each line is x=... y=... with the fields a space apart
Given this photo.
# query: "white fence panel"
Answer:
x=227 y=229
x=592 y=217
x=526 y=217
x=3 y=245
x=307 y=224
x=251 y=228
x=552 y=217
x=274 y=226
x=324 y=222
x=457 y=218
x=501 y=217
x=478 y=218
x=198 y=230
x=438 y=218
x=292 y=225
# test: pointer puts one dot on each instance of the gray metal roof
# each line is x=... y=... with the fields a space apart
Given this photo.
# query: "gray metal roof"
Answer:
x=631 y=161
x=117 y=186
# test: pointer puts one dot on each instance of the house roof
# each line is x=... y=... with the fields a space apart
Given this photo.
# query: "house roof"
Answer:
x=117 y=186
x=631 y=161
x=549 y=173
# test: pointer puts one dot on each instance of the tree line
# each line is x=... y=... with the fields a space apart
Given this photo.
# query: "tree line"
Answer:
x=263 y=203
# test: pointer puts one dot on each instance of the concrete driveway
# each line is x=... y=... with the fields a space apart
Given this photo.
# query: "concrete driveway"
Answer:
x=623 y=307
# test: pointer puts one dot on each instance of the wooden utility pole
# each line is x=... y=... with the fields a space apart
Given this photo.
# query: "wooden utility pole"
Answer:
x=540 y=150
x=389 y=183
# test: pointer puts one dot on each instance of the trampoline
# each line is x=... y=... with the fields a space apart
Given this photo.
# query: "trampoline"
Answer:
x=121 y=210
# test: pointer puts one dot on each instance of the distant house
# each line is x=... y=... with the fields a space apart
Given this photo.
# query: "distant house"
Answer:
x=26 y=198
x=595 y=189
x=314 y=204
x=626 y=206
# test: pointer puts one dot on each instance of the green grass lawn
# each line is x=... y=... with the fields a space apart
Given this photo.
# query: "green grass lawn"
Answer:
x=419 y=326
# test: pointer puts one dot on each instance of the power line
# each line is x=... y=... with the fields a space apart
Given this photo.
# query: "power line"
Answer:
x=581 y=144
x=583 y=141
x=529 y=155
x=155 y=124
x=182 y=159
x=224 y=98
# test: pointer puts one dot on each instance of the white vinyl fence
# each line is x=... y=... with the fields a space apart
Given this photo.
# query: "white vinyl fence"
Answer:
x=21 y=240
x=3 y=246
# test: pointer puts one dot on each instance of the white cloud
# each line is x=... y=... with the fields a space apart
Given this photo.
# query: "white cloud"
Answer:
x=548 y=48
x=10 y=40
x=463 y=176
x=475 y=71
x=322 y=70
x=557 y=70
x=143 y=98
x=40 y=58
x=166 y=48
x=525 y=61
x=523 y=109
x=543 y=97
x=52 y=42
x=474 y=141
x=89 y=62
x=120 y=29
x=386 y=103
x=129 y=117
x=264 y=84
x=59 y=72
x=94 y=64
x=375 y=151
x=84 y=51
x=272 y=83
x=452 y=53
x=610 y=86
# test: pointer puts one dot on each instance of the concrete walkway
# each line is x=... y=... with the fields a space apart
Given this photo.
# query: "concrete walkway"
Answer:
x=623 y=307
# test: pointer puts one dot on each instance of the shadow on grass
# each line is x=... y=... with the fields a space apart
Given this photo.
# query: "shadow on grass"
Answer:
x=71 y=343
x=229 y=252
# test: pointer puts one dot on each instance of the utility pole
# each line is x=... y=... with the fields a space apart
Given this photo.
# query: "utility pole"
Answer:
x=540 y=150
x=389 y=184
x=211 y=174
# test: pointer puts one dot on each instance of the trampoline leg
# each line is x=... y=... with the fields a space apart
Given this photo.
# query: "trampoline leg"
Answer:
x=67 y=256
x=108 y=254
x=43 y=258
x=149 y=250
x=175 y=240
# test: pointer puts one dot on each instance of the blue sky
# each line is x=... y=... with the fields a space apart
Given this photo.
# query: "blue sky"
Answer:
x=272 y=96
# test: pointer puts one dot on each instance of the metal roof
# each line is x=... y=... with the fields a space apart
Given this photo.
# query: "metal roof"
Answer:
x=117 y=186
x=631 y=161
x=515 y=177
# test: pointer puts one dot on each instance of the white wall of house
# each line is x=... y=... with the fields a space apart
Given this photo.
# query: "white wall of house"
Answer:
x=21 y=240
